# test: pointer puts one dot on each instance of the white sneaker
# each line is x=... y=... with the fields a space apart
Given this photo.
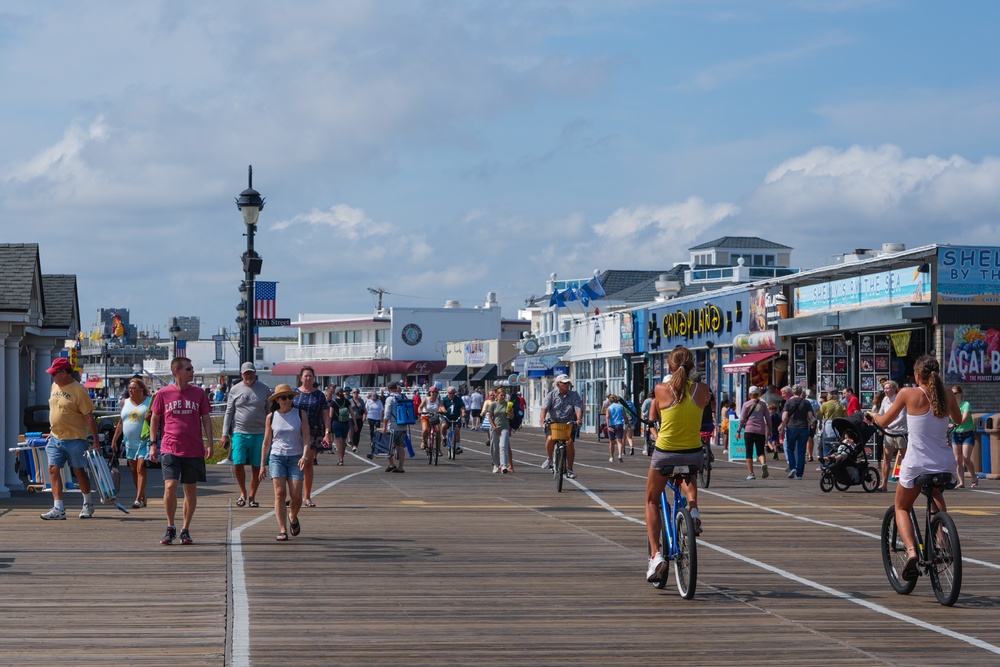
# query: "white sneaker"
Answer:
x=791 y=474
x=611 y=460
x=751 y=476
x=224 y=462
x=656 y=569
x=496 y=469
x=570 y=474
x=54 y=515
x=87 y=511
x=547 y=464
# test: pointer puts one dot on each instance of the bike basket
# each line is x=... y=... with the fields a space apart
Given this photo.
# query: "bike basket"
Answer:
x=561 y=431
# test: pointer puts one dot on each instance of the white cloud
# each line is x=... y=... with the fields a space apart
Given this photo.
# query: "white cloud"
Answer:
x=860 y=197
x=348 y=222
x=63 y=160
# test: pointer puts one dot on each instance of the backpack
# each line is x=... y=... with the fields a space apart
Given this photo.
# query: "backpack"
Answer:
x=343 y=413
x=405 y=413
x=515 y=413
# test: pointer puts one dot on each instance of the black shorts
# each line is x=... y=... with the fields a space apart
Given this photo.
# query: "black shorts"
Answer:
x=754 y=441
x=188 y=469
x=693 y=458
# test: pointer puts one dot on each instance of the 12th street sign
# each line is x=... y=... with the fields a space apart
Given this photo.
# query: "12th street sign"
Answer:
x=272 y=322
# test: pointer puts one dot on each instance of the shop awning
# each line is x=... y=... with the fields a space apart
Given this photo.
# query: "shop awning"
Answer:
x=748 y=361
x=360 y=367
x=486 y=373
x=453 y=374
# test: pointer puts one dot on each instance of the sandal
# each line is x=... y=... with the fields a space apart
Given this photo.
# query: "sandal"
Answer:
x=974 y=484
x=136 y=505
x=910 y=571
x=308 y=503
x=241 y=502
x=281 y=537
x=254 y=503
x=294 y=527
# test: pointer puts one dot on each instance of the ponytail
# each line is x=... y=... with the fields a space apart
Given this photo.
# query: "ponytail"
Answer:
x=928 y=372
x=681 y=363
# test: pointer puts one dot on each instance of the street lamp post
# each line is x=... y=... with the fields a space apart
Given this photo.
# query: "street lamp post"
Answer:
x=250 y=204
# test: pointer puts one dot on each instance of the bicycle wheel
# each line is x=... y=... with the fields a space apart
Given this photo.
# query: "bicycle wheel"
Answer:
x=686 y=560
x=894 y=554
x=705 y=474
x=558 y=467
x=430 y=450
x=946 y=559
x=826 y=483
x=871 y=480
x=840 y=486
x=437 y=447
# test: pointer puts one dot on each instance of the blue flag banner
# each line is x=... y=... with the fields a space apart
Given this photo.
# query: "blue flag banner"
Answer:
x=593 y=288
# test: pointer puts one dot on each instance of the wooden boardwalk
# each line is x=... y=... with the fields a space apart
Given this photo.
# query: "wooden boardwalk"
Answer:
x=454 y=565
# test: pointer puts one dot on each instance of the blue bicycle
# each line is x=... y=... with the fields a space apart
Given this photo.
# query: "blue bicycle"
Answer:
x=678 y=542
x=453 y=449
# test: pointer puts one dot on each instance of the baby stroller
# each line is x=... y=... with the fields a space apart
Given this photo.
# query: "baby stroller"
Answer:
x=847 y=465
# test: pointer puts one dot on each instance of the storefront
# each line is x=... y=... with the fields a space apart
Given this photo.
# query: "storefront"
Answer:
x=859 y=331
x=709 y=326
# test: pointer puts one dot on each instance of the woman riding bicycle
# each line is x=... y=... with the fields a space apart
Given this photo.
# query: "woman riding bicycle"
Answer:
x=928 y=407
x=431 y=412
x=678 y=404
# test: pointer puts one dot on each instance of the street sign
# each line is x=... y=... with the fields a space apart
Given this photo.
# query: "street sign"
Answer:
x=272 y=322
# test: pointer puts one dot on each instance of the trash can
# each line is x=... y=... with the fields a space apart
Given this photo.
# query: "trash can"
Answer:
x=981 y=450
x=991 y=445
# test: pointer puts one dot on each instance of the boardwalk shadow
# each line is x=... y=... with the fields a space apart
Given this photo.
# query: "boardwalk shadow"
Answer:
x=367 y=550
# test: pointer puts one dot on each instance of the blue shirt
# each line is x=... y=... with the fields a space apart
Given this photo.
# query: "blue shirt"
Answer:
x=616 y=414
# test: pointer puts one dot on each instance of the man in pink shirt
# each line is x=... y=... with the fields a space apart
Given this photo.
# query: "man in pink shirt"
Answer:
x=183 y=410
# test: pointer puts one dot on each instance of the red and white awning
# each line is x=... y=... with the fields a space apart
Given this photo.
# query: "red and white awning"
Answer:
x=748 y=361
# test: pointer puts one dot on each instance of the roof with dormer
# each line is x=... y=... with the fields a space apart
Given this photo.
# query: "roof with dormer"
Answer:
x=748 y=242
x=19 y=268
x=61 y=308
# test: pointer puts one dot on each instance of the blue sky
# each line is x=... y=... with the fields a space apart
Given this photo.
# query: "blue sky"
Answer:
x=442 y=150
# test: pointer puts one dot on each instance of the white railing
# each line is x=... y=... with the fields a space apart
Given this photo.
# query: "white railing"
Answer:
x=337 y=352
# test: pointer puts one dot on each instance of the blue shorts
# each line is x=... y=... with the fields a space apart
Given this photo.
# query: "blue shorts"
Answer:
x=285 y=467
x=617 y=432
x=137 y=451
x=59 y=451
x=340 y=429
x=246 y=449
x=963 y=438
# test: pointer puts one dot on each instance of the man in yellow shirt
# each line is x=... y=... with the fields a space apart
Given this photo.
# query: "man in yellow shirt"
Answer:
x=70 y=416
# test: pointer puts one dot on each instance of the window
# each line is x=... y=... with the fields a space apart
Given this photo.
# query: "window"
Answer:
x=336 y=337
x=769 y=260
x=309 y=338
x=258 y=354
x=381 y=335
x=758 y=260
x=353 y=336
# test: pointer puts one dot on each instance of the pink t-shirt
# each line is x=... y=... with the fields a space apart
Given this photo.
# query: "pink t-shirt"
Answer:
x=181 y=412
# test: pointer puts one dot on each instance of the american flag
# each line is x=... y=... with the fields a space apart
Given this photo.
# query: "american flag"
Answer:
x=256 y=335
x=264 y=305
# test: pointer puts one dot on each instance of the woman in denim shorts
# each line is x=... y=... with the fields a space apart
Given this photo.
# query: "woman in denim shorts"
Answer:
x=286 y=433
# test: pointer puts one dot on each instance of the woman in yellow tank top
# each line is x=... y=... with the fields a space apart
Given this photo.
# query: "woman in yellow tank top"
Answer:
x=678 y=404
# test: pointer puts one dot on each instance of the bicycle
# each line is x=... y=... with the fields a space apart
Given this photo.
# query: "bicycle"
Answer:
x=705 y=473
x=453 y=449
x=678 y=537
x=560 y=434
x=940 y=557
x=433 y=443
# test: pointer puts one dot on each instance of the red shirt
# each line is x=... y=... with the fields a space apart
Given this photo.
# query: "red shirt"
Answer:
x=181 y=413
x=853 y=405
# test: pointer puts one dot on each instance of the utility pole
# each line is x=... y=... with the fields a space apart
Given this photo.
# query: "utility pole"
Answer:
x=379 y=291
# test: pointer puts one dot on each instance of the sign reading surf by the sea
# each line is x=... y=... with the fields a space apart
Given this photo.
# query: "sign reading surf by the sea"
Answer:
x=969 y=274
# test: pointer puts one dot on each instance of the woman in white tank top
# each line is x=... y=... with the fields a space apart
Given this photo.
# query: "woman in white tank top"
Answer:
x=928 y=407
x=286 y=455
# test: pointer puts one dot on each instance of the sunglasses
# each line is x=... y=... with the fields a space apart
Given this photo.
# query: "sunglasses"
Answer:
x=284 y=398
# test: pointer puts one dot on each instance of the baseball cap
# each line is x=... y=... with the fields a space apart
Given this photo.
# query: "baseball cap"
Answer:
x=753 y=390
x=60 y=364
x=562 y=379
x=247 y=366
